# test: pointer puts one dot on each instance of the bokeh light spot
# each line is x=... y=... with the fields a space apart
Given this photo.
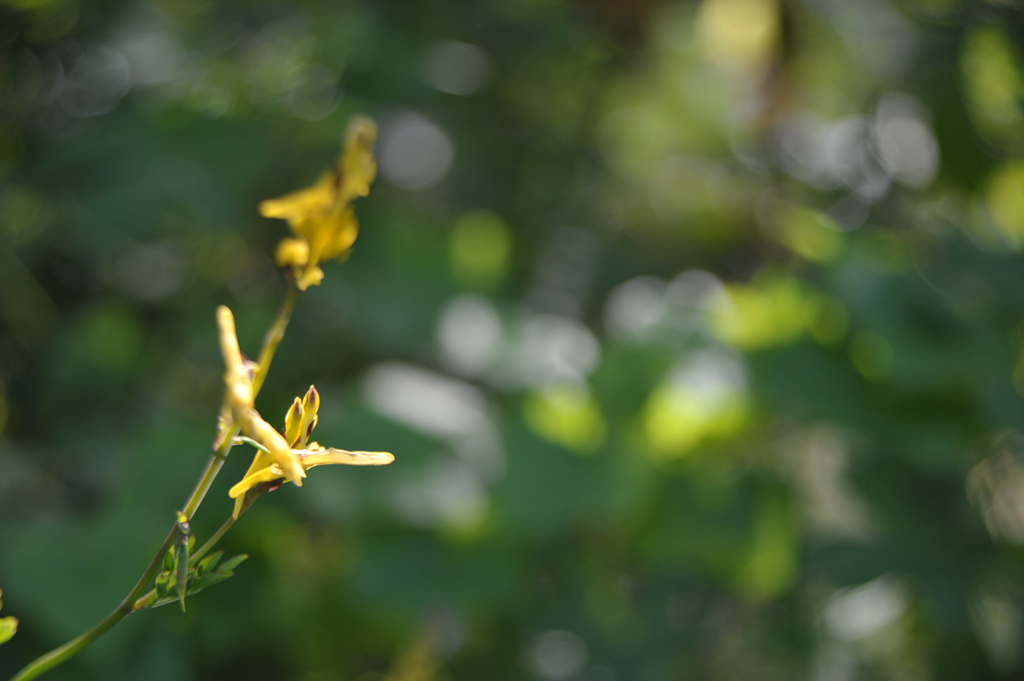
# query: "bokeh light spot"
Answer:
x=557 y=655
x=704 y=397
x=738 y=33
x=810 y=234
x=759 y=315
x=567 y=415
x=414 y=152
x=457 y=68
x=480 y=247
x=469 y=334
x=993 y=85
x=1004 y=197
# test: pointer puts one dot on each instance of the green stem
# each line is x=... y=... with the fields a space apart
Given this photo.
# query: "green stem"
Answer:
x=132 y=601
x=250 y=498
x=242 y=440
x=212 y=541
x=70 y=649
x=274 y=335
x=213 y=467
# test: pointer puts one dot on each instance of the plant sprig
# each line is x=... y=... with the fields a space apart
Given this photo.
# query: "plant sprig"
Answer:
x=324 y=227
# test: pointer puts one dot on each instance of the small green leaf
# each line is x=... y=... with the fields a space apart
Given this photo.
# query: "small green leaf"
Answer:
x=163 y=582
x=197 y=585
x=210 y=579
x=209 y=563
x=169 y=560
x=200 y=577
x=164 y=601
x=8 y=627
x=231 y=563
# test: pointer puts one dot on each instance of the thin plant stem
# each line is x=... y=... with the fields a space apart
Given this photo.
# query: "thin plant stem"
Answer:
x=274 y=335
x=212 y=541
x=242 y=440
x=71 y=648
x=132 y=601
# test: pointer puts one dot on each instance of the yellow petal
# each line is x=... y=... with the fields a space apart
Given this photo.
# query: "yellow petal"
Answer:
x=310 y=276
x=293 y=423
x=236 y=375
x=342 y=236
x=303 y=203
x=340 y=456
x=259 y=462
x=261 y=431
x=328 y=235
x=248 y=482
x=358 y=166
x=292 y=252
x=315 y=228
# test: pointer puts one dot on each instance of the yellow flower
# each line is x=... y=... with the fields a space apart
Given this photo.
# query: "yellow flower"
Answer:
x=238 y=402
x=321 y=216
x=298 y=426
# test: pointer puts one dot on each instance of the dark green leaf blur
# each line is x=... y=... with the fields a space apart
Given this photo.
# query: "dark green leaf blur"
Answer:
x=696 y=328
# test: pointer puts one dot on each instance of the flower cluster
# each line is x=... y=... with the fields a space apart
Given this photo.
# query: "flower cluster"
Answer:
x=324 y=226
x=321 y=216
x=286 y=456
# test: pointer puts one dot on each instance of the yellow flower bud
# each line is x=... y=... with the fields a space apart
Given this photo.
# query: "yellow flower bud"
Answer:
x=293 y=423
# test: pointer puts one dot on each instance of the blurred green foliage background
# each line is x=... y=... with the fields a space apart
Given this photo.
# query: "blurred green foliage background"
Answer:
x=694 y=326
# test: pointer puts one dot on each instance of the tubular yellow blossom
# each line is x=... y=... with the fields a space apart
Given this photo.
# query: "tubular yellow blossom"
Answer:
x=299 y=423
x=321 y=216
x=238 y=400
x=236 y=376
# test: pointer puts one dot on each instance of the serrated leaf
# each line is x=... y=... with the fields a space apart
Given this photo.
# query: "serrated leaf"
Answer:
x=8 y=627
x=231 y=563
